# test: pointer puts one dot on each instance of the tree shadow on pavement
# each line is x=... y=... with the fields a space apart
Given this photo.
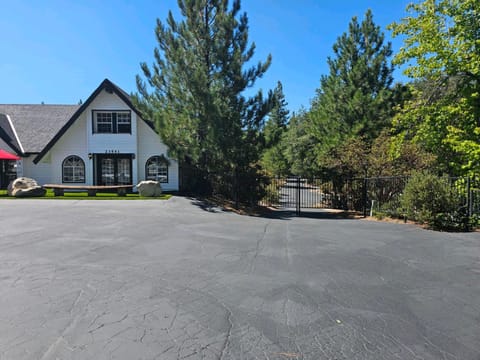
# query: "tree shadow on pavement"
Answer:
x=322 y=214
x=269 y=213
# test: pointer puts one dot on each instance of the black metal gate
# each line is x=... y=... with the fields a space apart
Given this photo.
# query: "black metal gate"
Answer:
x=302 y=193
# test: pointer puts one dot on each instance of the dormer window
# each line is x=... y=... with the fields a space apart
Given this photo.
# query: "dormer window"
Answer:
x=112 y=122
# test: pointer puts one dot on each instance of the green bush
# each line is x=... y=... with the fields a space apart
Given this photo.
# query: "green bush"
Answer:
x=391 y=209
x=454 y=221
x=432 y=200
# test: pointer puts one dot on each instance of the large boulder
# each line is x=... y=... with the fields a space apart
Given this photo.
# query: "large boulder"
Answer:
x=149 y=188
x=25 y=187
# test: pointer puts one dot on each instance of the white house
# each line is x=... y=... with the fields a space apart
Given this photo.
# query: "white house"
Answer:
x=104 y=141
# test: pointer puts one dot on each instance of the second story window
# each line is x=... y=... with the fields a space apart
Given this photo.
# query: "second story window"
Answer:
x=112 y=122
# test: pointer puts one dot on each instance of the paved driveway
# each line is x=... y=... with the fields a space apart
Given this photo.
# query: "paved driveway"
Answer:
x=170 y=280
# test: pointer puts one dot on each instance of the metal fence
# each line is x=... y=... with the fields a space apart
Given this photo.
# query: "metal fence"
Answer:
x=363 y=195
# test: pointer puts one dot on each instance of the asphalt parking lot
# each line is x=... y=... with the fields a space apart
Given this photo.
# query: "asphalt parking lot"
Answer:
x=174 y=280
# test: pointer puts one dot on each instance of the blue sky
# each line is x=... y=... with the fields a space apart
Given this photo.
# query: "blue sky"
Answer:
x=59 y=51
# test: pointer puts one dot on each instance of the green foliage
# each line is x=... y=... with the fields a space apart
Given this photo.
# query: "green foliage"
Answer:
x=354 y=99
x=441 y=36
x=441 y=51
x=352 y=105
x=299 y=146
x=273 y=159
x=349 y=159
x=278 y=118
x=355 y=157
x=194 y=90
x=386 y=158
x=432 y=200
x=390 y=209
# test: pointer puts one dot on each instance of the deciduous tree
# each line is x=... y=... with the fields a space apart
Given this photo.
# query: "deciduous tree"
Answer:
x=442 y=52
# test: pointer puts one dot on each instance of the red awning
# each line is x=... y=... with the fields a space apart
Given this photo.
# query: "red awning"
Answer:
x=4 y=155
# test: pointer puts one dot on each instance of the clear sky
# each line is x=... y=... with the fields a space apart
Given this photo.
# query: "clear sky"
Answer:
x=58 y=51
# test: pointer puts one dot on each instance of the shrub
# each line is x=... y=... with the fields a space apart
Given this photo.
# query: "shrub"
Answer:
x=391 y=209
x=432 y=200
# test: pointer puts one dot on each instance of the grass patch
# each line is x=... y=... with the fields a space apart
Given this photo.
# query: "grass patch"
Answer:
x=83 y=195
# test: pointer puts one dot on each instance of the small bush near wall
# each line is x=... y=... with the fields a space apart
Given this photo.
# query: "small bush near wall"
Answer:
x=432 y=200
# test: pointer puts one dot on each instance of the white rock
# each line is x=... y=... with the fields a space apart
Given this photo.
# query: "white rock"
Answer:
x=25 y=187
x=149 y=188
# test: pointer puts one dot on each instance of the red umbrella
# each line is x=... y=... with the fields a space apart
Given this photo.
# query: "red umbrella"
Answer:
x=4 y=155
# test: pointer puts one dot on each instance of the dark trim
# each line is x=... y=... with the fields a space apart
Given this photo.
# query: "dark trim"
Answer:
x=84 y=172
x=164 y=160
x=97 y=166
x=106 y=85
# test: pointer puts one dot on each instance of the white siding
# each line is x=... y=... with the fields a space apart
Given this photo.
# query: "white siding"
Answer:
x=73 y=142
x=150 y=144
x=40 y=172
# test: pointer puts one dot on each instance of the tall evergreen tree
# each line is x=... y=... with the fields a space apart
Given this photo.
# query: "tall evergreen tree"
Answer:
x=298 y=143
x=273 y=158
x=354 y=99
x=278 y=118
x=195 y=88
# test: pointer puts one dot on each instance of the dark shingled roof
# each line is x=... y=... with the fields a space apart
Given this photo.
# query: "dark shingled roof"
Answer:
x=36 y=125
x=7 y=134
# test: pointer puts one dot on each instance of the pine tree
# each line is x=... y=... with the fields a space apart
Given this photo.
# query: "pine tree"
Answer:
x=354 y=99
x=194 y=90
x=278 y=118
x=273 y=158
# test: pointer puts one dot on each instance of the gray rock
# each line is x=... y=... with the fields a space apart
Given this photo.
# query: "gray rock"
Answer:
x=25 y=187
x=149 y=188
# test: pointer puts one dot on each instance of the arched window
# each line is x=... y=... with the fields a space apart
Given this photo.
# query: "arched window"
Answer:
x=156 y=169
x=73 y=170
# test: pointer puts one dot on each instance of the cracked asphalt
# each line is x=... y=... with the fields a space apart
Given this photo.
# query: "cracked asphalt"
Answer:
x=174 y=280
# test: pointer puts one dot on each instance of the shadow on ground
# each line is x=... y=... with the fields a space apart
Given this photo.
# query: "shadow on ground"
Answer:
x=213 y=206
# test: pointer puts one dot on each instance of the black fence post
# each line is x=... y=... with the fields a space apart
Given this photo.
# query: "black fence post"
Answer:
x=469 y=198
x=365 y=196
x=298 y=197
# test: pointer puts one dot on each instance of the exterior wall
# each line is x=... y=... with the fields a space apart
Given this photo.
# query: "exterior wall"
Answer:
x=41 y=172
x=4 y=146
x=73 y=142
x=150 y=144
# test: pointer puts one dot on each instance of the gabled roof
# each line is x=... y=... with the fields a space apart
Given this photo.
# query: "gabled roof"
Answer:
x=27 y=128
x=106 y=85
x=35 y=125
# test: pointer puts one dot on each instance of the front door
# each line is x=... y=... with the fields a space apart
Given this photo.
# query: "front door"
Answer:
x=113 y=169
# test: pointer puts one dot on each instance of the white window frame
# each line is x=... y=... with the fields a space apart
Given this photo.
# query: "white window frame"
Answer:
x=159 y=169
x=116 y=120
x=77 y=166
